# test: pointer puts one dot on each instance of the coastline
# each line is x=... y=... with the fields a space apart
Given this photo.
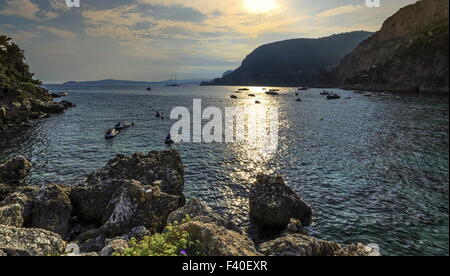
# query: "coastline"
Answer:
x=138 y=196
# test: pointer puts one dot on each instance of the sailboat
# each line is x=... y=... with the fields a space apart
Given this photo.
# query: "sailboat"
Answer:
x=173 y=82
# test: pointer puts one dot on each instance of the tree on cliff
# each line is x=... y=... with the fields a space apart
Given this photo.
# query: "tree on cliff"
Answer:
x=14 y=72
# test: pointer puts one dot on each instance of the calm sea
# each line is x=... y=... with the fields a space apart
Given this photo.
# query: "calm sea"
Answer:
x=375 y=169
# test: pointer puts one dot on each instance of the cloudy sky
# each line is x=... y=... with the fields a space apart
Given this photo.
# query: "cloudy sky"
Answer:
x=150 y=39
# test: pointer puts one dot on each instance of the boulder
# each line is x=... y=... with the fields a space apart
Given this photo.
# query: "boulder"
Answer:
x=29 y=242
x=164 y=166
x=273 y=204
x=11 y=215
x=52 y=209
x=132 y=205
x=140 y=190
x=215 y=240
x=301 y=245
x=14 y=172
x=199 y=211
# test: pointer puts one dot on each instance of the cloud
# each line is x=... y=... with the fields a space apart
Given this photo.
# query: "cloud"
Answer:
x=26 y=9
x=340 y=10
x=21 y=8
x=58 y=32
x=214 y=20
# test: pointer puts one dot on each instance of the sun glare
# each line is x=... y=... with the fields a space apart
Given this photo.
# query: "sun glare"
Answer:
x=260 y=6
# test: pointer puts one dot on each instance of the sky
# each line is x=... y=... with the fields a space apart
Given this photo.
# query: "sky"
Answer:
x=148 y=40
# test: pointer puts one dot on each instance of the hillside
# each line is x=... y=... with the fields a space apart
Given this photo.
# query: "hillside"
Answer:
x=292 y=62
x=21 y=97
x=409 y=53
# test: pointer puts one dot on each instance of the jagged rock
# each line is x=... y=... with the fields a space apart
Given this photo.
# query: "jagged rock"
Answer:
x=199 y=211
x=23 y=196
x=114 y=246
x=92 y=198
x=11 y=215
x=273 y=204
x=215 y=240
x=47 y=107
x=301 y=245
x=298 y=245
x=14 y=172
x=29 y=242
x=52 y=209
x=134 y=204
x=67 y=104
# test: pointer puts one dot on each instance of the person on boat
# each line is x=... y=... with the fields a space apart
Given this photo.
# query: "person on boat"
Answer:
x=169 y=140
x=158 y=115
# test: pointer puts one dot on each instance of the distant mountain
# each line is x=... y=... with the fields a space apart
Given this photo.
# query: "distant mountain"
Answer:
x=409 y=53
x=292 y=62
x=126 y=82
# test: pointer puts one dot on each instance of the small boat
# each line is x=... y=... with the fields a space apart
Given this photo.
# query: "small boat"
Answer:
x=149 y=89
x=298 y=100
x=111 y=133
x=238 y=92
x=233 y=97
x=243 y=89
x=274 y=90
x=257 y=102
x=302 y=88
x=121 y=126
x=333 y=97
x=251 y=95
x=272 y=93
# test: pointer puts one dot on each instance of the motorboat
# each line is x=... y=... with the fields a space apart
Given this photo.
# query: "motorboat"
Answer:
x=111 y=133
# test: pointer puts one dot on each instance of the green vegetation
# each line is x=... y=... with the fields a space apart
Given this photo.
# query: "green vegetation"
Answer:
x=14 y=72
x=172 y=242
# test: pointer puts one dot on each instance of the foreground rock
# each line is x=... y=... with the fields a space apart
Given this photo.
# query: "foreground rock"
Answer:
x=301 y=245
x=14 y=172
x=29 y=242
x=215 y=240
x=137 y=196
x=141 y=190
x=273 y=204
x=199 y=211
x=52 y=209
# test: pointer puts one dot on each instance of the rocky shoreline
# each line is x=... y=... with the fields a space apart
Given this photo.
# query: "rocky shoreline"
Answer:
x=137 y=196
x=19 y=108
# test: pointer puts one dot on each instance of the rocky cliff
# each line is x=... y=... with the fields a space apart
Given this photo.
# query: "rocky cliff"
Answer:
x=292 y=62
x=409 y=53
x=21 y=97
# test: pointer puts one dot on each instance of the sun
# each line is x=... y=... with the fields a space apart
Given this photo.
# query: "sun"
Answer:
x=260 y=6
